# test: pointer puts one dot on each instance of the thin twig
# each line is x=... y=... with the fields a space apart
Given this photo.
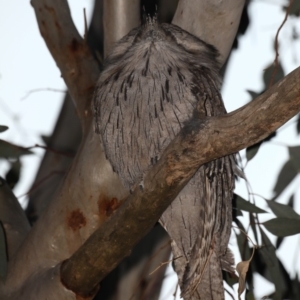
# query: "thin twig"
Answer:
x=247 y=236
x=71 y=155
x=276 y=43
x=258 y=195
x=147 y=266
x=85 y=25
x=42 y=90
x=175 y=292
x=41 y=181
x=164 y=263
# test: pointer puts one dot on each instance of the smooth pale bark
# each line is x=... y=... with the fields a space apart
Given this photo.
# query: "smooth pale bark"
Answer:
x=55 y=164
x=214 y=21
x=120 y=16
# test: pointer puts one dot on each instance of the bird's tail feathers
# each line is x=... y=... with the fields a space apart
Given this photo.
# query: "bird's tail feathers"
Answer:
x=205 y=286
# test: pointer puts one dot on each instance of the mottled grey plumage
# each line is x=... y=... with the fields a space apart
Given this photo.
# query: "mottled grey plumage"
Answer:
x=158 y=78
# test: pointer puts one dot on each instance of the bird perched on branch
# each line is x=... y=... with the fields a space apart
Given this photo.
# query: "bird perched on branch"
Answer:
x=158 y=79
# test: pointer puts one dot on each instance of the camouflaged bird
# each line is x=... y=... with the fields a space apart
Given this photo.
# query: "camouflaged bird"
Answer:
x=158 y=78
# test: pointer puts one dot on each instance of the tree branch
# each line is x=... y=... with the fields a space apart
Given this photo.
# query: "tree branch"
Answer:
x=120 y=16
x=70 y=52
x=214 y=21
x=216 y=137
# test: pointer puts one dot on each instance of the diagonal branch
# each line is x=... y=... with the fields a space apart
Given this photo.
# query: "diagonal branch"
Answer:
x=216 y=137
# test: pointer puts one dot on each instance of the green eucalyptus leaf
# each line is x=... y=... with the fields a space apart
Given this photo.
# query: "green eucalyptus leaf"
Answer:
x=9 y=150
x=294 y=9
x=270 y=136
x=283 y=226
x=298 y=124
x=280 y=238
x=285 y=177
x=13 y=175
x=253 y=94
x=245 y=205
x=3 y=128
x=249 y=295
x=252 y=150
x=295 y=287
x=231 y=279
x=279 y=241
x=282 y=210
x=268 y=74
x=46 y=139
x=253 y=226
x=294 y=153
x=238 y=213
x=242 y=241
x=291 y=201
x=268 y=253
